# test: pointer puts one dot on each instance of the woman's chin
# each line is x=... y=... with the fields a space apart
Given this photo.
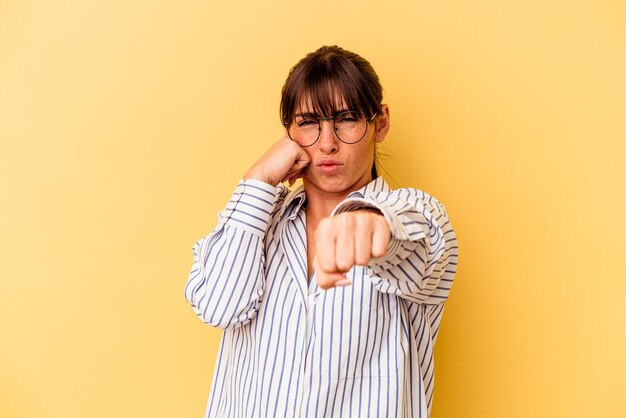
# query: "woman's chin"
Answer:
x=328 y=184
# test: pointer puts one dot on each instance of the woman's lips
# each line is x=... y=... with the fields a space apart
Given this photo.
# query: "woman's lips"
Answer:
x=329 y=166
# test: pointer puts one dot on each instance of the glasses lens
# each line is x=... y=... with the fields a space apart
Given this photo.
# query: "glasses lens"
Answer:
x=350 y=126
x=304 y=130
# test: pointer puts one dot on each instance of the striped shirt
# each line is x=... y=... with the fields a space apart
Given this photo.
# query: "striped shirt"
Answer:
x=292 y=349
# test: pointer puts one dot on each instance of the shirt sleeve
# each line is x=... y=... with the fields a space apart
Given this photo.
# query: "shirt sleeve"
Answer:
x=227 y=279
x=420 y=263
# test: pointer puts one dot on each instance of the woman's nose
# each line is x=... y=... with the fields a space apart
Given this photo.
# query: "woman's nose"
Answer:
x=328 y=141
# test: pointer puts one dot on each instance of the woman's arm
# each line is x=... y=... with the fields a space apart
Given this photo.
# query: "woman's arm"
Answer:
x=227 y=280
x=422 y=253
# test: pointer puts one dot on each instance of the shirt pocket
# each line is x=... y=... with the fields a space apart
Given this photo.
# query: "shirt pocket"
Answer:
x=358 y=332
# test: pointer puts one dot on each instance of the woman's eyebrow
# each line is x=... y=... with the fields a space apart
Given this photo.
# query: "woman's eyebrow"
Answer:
x=338 y=111
x=306 y=114
x=315 y=115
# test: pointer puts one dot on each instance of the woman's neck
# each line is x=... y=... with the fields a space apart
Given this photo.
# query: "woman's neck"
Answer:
x=320 y=203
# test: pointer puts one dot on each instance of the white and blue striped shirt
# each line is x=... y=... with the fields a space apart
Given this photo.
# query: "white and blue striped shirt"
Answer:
x=290 y=348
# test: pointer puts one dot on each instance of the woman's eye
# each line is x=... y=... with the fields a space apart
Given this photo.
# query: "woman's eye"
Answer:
x=306 y=122
x=348 y=117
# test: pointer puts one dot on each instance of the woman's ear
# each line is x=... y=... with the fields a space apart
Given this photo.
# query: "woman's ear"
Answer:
x=382 y=123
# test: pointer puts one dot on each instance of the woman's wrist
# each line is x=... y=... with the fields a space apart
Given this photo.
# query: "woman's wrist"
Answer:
x=253 y=174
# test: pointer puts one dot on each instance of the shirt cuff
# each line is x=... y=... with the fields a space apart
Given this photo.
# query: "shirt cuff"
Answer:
x=251 y=205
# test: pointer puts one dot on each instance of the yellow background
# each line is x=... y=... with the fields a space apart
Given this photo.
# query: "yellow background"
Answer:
x=124 y=127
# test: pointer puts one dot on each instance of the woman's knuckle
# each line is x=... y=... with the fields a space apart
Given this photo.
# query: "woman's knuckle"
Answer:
x=324 y=282
x=343 y=265
x=327 y=264
x=362 y=259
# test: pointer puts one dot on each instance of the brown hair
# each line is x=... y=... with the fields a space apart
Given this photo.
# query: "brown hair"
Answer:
x=327 y=75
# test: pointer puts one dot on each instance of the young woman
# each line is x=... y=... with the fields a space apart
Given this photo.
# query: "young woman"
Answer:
x=331 y=295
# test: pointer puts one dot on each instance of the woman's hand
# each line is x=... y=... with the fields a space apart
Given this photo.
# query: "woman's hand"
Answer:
x=345 y=240
x=285 y=160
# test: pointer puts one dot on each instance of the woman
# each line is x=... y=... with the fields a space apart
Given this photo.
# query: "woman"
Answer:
x=330 y=296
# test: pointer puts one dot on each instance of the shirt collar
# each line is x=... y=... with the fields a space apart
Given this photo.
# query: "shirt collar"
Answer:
x=293 y=202
x=296 y=198
x=377 y=185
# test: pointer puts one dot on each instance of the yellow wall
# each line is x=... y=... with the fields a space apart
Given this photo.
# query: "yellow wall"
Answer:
x=124 y=127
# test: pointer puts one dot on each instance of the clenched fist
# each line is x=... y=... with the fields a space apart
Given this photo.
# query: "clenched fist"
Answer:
x=348 y=239
x=284 y=161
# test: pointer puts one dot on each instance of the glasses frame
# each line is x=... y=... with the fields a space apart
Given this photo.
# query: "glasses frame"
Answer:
x=319 y=127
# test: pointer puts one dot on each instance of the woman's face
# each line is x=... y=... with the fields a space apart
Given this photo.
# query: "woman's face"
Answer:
x=337 y=167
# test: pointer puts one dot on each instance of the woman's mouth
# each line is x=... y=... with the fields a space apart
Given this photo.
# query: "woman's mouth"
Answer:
x=329 y=166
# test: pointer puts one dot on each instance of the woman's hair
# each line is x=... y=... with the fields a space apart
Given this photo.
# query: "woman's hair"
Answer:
x=327 y=76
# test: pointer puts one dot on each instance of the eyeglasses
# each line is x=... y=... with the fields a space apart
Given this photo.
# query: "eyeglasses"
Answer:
x=349 y=126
